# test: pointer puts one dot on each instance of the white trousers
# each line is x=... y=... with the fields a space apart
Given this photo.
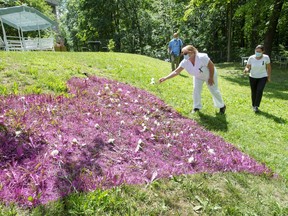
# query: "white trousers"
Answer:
x=215 y=92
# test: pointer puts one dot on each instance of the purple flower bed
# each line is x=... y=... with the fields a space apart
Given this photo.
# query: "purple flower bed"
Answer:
x=106 y=134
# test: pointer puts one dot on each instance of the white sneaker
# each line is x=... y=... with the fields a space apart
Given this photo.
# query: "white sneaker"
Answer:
x=255 y=109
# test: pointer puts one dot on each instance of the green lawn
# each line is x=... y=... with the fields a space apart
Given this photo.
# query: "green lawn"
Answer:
x=263 y=136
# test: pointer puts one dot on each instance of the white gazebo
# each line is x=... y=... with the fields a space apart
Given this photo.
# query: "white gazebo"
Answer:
x=25 y=19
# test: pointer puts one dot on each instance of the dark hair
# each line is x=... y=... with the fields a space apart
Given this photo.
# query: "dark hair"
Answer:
x=260 y=47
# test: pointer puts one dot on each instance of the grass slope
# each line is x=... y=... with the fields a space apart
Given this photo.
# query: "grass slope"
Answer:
x=262 y=136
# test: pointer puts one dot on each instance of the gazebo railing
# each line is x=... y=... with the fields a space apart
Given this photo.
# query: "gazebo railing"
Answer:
x=14 y=43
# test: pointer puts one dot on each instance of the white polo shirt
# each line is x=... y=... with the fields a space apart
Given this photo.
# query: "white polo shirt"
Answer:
x=200 y=68
x=258 y=66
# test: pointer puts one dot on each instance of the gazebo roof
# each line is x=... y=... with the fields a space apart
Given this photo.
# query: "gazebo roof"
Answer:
x=25 y=18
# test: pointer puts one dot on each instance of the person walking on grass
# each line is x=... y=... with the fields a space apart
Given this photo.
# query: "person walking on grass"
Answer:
x=174 y=49
x=259 y=68
x=203 y=70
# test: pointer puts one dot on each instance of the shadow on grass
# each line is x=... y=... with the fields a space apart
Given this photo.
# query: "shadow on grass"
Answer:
x=275 y=89
x=278 y=120
x=272 y=89
x=214 y=123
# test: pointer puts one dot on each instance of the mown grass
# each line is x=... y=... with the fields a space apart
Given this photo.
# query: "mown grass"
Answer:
x=263 y=136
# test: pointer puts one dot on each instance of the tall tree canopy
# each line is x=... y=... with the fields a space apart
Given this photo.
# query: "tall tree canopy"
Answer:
x=227 y=29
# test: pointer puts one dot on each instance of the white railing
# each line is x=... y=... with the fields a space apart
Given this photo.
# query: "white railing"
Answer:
x=13 y=44
x=29 y=44
x=46 y=43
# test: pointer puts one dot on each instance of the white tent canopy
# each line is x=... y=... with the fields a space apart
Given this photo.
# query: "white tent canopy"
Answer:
x=23 y=19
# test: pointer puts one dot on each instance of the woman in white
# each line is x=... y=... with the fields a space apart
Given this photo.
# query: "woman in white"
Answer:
x=260 y=72
x=203 y=70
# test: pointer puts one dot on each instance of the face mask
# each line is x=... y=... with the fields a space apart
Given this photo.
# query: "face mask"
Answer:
x=186 y=57
x=258 y=54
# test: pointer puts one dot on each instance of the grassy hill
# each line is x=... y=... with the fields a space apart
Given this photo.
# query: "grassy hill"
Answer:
x=263 y=136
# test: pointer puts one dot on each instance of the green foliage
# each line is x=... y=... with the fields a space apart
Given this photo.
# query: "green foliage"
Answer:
x=203 y=194
x=111 y=45
x=146 y=27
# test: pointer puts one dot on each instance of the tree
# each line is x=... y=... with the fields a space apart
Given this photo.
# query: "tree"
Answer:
x=226 y=29
x=272 y=25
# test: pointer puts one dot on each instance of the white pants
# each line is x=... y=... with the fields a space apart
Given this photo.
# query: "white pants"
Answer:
x=215 y=92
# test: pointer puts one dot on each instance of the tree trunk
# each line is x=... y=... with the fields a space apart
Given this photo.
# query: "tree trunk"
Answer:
x=273 y=21
x=229 y=33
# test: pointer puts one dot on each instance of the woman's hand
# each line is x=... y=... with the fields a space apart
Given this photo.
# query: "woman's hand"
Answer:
x=268 y=79
x=171 y=75
x=247 y=69
x=162 y=79
x=211 y=81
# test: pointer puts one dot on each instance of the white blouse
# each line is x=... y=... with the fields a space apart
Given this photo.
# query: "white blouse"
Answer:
x=258 y=66
x=200 y=69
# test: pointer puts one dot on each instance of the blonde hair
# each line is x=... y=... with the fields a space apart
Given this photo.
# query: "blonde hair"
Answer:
x=190 y=48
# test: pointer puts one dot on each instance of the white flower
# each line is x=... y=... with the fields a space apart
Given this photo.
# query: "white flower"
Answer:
x=152 y=81
x=146 y=117
x=211 y=151
x=136 y=101
x=156 y=123
x=122 y=122
x=117 y=113
x=191 y=159
x=111 y=141
x=175 y=134
x=154 y=175
x=97 y=126
x=138 y=147
x=17 y=133
x=144 y=129
x=54 y=153
x=120 y=90
x=107 y=87
x=75 y=141
x=169 y=145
